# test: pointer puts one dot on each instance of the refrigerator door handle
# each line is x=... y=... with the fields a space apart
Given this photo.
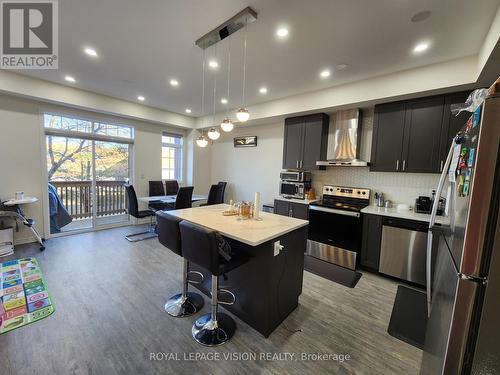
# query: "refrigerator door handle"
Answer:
x=428 y=263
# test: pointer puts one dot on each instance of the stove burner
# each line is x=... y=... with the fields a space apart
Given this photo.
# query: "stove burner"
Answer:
x=344 y=198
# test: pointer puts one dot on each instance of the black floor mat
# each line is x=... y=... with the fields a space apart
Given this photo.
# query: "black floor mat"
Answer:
x=330 y=271
x=409 y=316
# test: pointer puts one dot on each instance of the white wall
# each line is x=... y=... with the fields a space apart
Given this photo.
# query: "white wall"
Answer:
x=257 y=169
x=22 y=152
x=198 y=165
x=249 y=169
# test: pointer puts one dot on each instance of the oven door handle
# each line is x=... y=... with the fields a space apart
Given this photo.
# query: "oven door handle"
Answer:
x=334 y=211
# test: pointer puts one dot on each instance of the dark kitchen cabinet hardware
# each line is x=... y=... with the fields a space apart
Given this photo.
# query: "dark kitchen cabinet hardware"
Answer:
x=414 y=135
x=291 y=209
x=305 y=141
x=370 y=243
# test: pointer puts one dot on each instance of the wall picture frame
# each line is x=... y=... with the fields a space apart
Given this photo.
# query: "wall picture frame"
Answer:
x=246 y=141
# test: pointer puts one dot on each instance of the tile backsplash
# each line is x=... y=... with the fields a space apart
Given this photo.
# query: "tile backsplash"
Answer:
x=397 y=187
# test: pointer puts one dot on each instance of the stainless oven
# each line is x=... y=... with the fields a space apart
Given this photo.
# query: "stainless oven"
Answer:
x=296 y=190
x=295 y=176
x=334 y=235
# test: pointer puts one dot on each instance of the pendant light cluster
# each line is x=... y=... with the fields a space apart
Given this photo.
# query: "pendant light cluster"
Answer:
x=242 y=114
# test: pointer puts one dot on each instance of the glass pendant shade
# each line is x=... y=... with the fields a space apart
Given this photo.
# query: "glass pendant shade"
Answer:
x=242 y=115
x=202 y=141
x=227 y=125
x=213 y=134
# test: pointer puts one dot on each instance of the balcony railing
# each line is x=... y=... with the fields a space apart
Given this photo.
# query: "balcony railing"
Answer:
x=111 y=198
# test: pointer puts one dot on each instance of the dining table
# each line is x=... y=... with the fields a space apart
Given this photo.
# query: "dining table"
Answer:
x=170 y=198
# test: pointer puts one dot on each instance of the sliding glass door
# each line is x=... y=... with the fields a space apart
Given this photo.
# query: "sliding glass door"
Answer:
x=111 y=175
x=88 y=165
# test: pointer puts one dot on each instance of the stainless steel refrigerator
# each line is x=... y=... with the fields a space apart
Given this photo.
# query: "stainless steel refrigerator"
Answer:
x=463 y=330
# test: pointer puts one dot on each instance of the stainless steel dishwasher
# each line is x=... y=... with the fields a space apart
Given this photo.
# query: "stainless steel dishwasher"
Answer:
x=403 y=249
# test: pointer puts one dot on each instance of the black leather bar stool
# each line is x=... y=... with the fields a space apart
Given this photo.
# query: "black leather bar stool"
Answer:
x=185 y=303
x=200 y=245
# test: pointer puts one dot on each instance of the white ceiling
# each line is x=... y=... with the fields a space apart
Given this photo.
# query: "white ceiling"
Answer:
x=143 y=44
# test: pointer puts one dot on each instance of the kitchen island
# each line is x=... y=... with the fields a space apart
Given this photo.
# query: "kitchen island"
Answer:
x=267 y=287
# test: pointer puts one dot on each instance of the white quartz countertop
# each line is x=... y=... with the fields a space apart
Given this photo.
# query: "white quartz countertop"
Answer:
x=403 y=214
x=251 y=232
x=294 y=200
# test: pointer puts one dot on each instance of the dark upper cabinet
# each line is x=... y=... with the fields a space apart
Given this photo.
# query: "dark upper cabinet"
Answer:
x=293 y=145
x=370 y=244
x=291 y=209
x=414 y=135
x=388 y=132
x=423 y=120
x=305 y=141
x=451 y=124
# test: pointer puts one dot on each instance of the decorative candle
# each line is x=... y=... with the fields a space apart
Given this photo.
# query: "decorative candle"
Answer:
x=256 y=206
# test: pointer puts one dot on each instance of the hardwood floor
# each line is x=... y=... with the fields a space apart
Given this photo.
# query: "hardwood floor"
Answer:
x=109 y=296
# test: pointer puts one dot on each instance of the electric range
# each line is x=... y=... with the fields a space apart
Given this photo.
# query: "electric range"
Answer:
x=335 y=228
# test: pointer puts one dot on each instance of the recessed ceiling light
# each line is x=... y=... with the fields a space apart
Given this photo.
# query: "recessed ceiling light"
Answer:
x=263 y=90
x=325 y=73
x=421 y=47
x=282 y=32
x=223 y=101
x=421 y=16
x=188 y=110
x=141 y=98
x=70 y=79
x=213 y=64
x=341 y=66
x=174 y=82
x=90 y=51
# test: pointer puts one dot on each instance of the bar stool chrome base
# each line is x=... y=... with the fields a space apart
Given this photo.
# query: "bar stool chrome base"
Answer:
x=213 y=333
x=180 y=307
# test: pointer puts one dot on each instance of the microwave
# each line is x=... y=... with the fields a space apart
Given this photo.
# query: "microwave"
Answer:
x=296 y=176
x=290 y=189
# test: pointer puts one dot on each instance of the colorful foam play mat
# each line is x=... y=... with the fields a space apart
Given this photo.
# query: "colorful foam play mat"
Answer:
x=24 y=294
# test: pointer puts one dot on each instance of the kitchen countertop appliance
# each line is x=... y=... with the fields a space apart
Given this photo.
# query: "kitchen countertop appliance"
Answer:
x=335 y=225
x=462 y=335
x=295 y=176
x=423 y=205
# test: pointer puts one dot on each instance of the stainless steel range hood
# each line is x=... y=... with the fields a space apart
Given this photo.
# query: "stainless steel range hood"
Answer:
x=344 y=139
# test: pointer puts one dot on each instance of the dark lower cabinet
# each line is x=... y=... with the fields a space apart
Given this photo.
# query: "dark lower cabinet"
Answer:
x=281 y=207
x=291 y=209
x=370 y=245
x=300 y=211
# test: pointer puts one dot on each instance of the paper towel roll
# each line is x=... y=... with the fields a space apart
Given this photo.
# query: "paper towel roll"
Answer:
x=256 y=202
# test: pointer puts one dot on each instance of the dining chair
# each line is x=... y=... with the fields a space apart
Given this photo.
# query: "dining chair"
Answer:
x=213 y=196
x=184 y=197
x=222 y=190
x=156 y=189
x=133 y=210
x=172 y=187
